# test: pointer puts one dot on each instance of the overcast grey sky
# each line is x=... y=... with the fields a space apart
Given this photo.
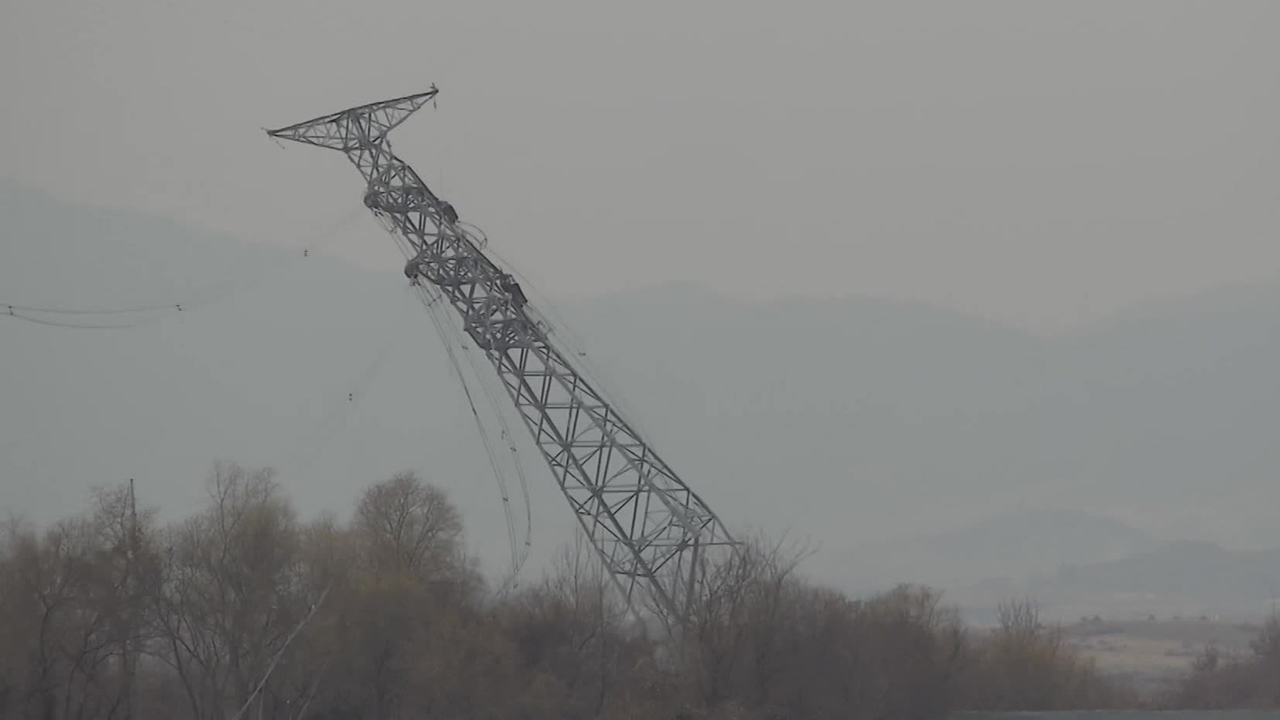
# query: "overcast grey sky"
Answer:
x=1042 y=163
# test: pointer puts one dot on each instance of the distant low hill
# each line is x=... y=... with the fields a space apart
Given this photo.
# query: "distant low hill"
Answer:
x=1185 y=571
x=1182 y=578
x=1010 y=545
x=900 y=438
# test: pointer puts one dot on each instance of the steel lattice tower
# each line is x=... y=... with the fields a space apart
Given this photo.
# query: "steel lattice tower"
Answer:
x=648 y=526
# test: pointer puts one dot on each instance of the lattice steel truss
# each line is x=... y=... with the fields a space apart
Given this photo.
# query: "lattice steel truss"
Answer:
x=648 y=526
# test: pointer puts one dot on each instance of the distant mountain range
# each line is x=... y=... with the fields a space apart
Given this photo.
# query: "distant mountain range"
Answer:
x=900 y=439
x=1011 y=545
x=1185 y=579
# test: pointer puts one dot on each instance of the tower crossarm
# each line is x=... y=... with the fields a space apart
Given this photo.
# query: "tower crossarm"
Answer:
x=348 y=129
x=648 y=526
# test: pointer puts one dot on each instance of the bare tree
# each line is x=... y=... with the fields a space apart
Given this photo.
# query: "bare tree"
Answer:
x=410 y=527
x=733 y=626
x=402 y=609
x=230 y=593
x=572 y=635
x=82 y=583
x=223 y=612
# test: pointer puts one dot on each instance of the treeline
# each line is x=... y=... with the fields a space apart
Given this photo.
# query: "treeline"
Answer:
x=244 y=608
x=1219 y=681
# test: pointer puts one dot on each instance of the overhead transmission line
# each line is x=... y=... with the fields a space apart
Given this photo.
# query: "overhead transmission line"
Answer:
x=18 y=314
x=452 y=337
x=331 y=424
x=334 y=422
x=554 y=324
x=209 y=296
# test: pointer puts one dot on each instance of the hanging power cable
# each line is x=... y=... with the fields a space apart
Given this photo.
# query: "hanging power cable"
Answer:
x=430 y=305
x=508 y=438
x=449 y=336
x=588 y=366
x=335 y=421
x=211 y=295
x=452 y=335
x=486 y=385
x=17 y=313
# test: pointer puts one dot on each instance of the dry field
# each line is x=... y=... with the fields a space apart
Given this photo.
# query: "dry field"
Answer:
x=1151 y=652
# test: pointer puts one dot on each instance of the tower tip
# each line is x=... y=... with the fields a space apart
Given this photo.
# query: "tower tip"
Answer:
x=372 y=121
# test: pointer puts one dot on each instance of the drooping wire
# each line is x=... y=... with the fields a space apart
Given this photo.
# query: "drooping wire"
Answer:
x=554 y=325
x=486 y=379
x=326 y=236
x=196 y=300
x=476 y=235
x=452 y=335
x=335 y=422
x=13 y=312
x=508 y=438
x=430 y=303
x=443 y=326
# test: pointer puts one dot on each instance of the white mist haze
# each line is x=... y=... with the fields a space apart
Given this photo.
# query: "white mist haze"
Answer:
x=1041 y=164
x=983 y=295
x=905 y=442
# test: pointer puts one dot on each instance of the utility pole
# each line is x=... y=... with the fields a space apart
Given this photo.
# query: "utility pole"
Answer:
x=129 y=659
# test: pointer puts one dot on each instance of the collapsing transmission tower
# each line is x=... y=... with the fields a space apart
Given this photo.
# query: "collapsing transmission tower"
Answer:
x=650 y=529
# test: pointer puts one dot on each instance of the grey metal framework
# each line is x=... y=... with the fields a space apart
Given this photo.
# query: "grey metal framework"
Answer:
x=648 y=526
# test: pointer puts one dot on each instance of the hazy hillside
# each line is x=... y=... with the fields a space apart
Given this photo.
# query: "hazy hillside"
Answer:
x=901 y=439
x=1194 y=573
x=1185 y=579
x=1012 y=544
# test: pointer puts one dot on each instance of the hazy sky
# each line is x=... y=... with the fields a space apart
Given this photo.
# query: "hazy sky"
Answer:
x=1042 y=163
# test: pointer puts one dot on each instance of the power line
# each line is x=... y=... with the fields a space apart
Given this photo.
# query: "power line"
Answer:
x=15 y=311
x=591 y=368
x=449 y=336
x=334 y=422
x=443 y=327
x=209 y=296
